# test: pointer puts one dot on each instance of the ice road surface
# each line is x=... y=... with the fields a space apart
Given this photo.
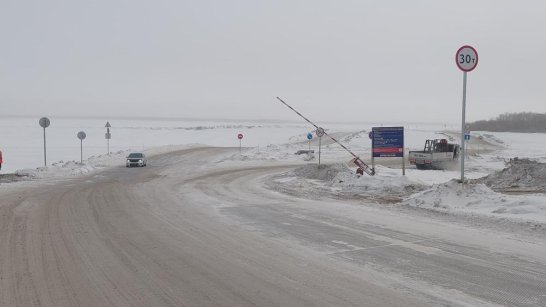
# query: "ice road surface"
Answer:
x=276 y=142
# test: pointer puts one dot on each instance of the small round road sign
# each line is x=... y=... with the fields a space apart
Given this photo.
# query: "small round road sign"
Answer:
x=81 y=135
x=309 y=136
x=240 y=136
x=320 y=132
x=466 y=58
x=44 y=122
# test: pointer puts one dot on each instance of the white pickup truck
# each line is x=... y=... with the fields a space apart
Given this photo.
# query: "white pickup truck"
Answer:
x=437 y=154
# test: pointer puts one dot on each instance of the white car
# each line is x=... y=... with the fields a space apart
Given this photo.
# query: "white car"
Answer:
x=136 y=159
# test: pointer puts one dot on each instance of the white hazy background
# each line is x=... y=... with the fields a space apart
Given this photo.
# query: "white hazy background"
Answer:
x=333 y=60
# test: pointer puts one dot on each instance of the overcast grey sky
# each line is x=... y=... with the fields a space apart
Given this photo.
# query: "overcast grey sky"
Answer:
x=332 y=60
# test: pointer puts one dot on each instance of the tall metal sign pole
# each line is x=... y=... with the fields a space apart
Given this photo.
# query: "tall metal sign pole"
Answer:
x=240 y=137
x=108 y=136
x=44 y=123
x=309 y=138
x=466 y=59
x=81 y=135
x=320 y=134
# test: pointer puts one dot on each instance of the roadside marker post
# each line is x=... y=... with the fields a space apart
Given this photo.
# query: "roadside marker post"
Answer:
x=108 y=136
x=44 y=123
x=81 y=135
x=466 y=59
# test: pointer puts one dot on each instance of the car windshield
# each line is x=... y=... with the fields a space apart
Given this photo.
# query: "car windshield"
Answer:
x=135 y=155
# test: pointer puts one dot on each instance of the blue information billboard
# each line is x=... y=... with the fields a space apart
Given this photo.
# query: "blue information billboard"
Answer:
x=387 y=142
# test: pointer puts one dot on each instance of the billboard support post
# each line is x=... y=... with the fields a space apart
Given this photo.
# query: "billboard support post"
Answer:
x=403 y=156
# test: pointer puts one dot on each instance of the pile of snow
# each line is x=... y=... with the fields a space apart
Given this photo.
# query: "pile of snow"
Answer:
x=270 y=152
x=453 y=195
x=490 y=138
x=387 y=183
x=339 y=181
x=326 y=173
x=284 y=152
x=8 y=178
x=523 y=175
x=73 y=168
x=477 y=198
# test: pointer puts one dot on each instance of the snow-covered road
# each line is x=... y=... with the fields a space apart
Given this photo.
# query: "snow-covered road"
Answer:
x=191 y=230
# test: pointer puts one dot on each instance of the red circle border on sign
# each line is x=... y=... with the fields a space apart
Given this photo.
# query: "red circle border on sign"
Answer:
x=457 y=62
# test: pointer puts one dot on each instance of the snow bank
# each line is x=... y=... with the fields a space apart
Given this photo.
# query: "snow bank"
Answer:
x=271 y=153
x=9 y=178
x=477 y=198
x=72 y=168
x=339 y=181
x=387 y=183
x=326 y=173
x=520 y=175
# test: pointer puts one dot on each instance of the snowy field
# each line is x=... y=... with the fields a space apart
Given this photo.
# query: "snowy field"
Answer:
x=267 y=142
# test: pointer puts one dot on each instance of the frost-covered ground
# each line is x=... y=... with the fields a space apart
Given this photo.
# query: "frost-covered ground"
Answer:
x=266 y=143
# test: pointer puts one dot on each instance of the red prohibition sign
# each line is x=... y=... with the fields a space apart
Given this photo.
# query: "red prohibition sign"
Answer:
x=240 y=136
x=466 y=58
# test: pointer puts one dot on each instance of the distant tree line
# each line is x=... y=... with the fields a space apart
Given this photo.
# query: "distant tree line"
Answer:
x=512 y=122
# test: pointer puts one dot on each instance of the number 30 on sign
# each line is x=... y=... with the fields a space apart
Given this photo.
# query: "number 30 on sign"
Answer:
x=466 y=58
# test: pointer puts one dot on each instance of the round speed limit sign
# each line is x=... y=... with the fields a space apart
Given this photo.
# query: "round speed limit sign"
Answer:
x=320 y=132
x=466 y=58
